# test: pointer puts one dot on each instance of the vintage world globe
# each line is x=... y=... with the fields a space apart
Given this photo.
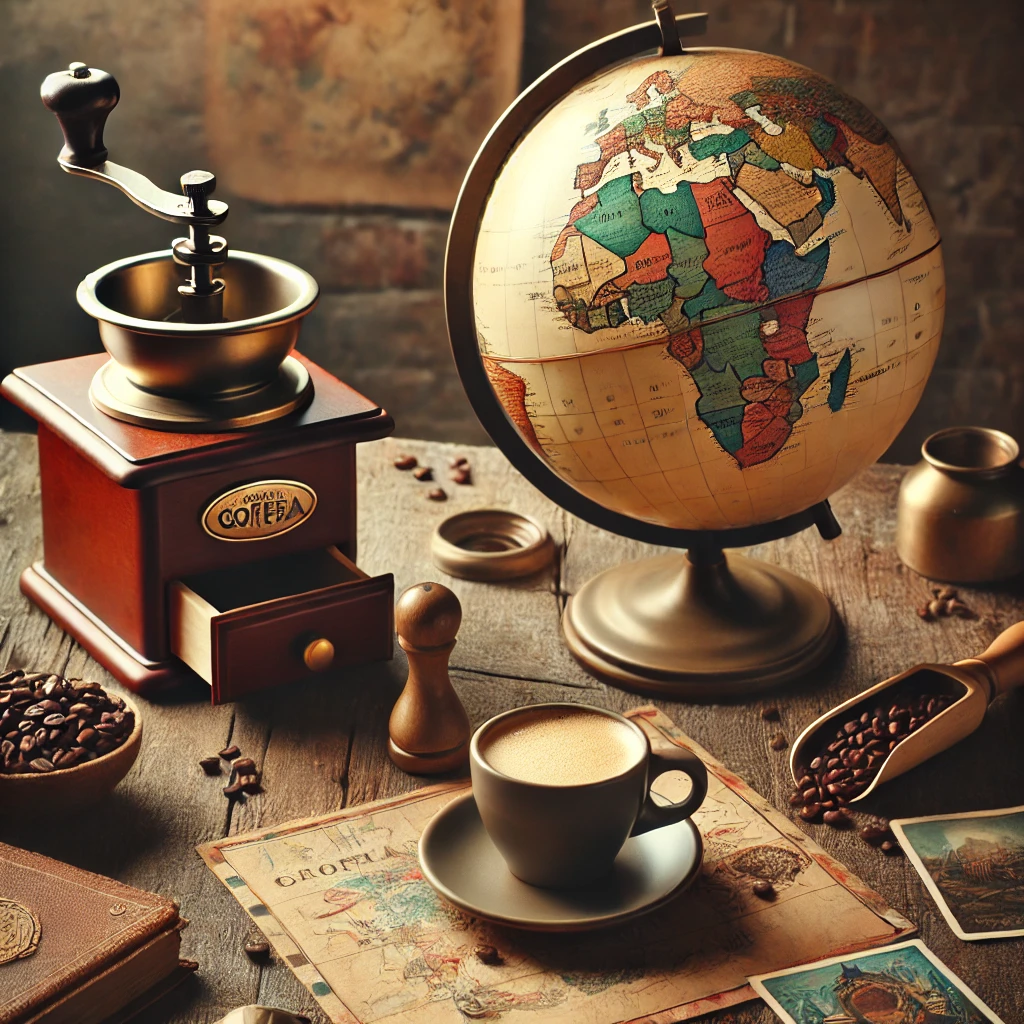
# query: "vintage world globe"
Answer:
x=706 y=289
x=690 y=295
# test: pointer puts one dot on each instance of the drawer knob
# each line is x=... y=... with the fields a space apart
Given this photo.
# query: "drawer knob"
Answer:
x=318 y=655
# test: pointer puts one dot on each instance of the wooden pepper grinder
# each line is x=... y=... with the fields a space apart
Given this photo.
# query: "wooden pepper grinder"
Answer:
x=429 y=728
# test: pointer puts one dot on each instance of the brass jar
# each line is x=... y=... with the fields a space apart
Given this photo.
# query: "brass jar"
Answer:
x=960 y=516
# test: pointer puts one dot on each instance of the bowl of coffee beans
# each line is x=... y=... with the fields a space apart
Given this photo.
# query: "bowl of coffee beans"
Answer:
x=64 y=743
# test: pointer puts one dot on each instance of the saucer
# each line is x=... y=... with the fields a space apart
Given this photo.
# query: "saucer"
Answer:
x=459 y=860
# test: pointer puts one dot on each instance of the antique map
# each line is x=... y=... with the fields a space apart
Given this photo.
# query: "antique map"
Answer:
x=707 y=289
x=343 y=901
x=330 y=101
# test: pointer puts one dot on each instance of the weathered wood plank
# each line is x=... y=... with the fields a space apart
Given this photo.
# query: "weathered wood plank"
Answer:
x=322 y=745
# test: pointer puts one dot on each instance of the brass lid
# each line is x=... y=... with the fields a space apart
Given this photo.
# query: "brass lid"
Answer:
x=491 y=544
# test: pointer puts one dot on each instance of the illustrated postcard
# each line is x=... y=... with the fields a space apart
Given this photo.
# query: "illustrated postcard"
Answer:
x=905 y=982
x=973 y=865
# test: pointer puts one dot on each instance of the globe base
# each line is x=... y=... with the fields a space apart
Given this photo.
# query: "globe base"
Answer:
x=699 y=628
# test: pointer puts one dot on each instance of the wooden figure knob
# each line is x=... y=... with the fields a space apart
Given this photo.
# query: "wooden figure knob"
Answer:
x=429 y=728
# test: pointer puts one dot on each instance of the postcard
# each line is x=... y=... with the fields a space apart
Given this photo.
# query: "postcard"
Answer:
x=905 y=982
x=973 y=865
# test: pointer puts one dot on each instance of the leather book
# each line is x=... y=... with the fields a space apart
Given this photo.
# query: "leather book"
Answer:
x=76 y=947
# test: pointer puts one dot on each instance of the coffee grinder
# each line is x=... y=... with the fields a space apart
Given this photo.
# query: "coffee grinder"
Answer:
x=198 y=480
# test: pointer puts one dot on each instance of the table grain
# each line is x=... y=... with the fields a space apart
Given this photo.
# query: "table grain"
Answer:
x=322 y=745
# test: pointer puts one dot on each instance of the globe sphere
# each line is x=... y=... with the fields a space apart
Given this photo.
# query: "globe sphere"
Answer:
x=707 y=290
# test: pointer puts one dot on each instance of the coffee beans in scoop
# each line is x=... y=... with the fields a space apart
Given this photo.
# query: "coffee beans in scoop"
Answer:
x=847 y=763
x=48 y=723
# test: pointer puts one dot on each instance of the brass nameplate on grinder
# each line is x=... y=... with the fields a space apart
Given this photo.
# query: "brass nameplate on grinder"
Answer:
x=256 y=511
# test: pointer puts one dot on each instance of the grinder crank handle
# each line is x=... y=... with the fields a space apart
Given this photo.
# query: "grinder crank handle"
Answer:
x=82 y=99
x=1001 y=664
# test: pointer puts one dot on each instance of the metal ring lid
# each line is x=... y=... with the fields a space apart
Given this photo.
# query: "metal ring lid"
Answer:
x=491 y=544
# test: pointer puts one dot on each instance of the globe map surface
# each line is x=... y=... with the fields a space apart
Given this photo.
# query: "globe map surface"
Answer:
x=707 y=290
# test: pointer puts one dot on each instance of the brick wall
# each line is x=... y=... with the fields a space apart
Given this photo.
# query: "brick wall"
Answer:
x=940 y=73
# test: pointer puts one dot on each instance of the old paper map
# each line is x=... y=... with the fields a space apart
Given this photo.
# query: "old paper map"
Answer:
x=330 y=101
x=344 y=903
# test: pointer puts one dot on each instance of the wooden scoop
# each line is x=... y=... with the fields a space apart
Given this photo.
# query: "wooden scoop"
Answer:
x=974 y=684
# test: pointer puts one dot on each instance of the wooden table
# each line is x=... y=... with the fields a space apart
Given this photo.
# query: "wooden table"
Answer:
x=322 y=745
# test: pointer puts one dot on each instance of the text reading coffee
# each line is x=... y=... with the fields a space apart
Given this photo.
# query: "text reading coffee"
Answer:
x=255 y=511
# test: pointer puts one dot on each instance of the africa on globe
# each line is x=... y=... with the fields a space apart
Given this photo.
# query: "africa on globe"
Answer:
x=707 y=290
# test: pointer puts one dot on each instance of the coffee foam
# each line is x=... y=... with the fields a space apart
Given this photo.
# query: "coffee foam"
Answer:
x=562 y=748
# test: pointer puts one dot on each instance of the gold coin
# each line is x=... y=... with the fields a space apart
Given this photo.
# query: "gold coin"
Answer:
x=19 y=931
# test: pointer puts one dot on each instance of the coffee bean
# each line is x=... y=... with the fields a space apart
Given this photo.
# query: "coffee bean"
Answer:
x=461 y=476
x=230 y=753
x=458 y=462
x=810 y=811
x=249 y=783
x=406 y=462
x=778 y=741
x=233 y=789
x=244 y=766
x=41 y=764
x=438 y=494
x=890 y=848
x=210 y=765
x=816 y=764
x=257 y=950
x=764 y=889
x=796 y=800
x=874 y=835
x=423 y=473
x=837 y=819
x=489 y=955
x=770 y=713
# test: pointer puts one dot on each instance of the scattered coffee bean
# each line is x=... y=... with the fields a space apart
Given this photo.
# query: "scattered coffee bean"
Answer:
x=458 y=462
x=489 y=955
x=244 y=766
x=438 y=494
x=233 y=789
x=257 y=949
x=423 y=473
x=248 y=783
x=406 y=462
x=810 y=811
x=462 y=476
x=230 y=753
x=42 y=722
x=874 y=835
x=210 y=765
x=770 y=713
x=890 y=847
x=764 y=889
x=837 y=818
x=778 y=741
x=944 y=603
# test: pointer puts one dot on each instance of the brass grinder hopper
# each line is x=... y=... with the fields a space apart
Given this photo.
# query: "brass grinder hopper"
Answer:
x=197 y=342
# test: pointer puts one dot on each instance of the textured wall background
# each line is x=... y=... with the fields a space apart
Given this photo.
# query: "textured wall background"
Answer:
x=941 y=74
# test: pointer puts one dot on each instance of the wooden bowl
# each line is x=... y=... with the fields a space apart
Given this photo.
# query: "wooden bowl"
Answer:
x=71 y=788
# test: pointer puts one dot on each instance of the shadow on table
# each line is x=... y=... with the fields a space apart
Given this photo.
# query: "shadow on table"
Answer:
x=88 y=840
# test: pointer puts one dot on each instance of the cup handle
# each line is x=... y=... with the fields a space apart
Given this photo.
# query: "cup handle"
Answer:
x=678 y=759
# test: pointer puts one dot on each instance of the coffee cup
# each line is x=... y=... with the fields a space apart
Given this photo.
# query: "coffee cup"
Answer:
x=561 y=787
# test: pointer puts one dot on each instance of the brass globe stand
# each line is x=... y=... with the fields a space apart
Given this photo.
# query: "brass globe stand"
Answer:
x=699 y=625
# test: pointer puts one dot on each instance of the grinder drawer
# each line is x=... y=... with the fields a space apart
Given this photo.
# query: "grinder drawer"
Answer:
x=253 y=626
